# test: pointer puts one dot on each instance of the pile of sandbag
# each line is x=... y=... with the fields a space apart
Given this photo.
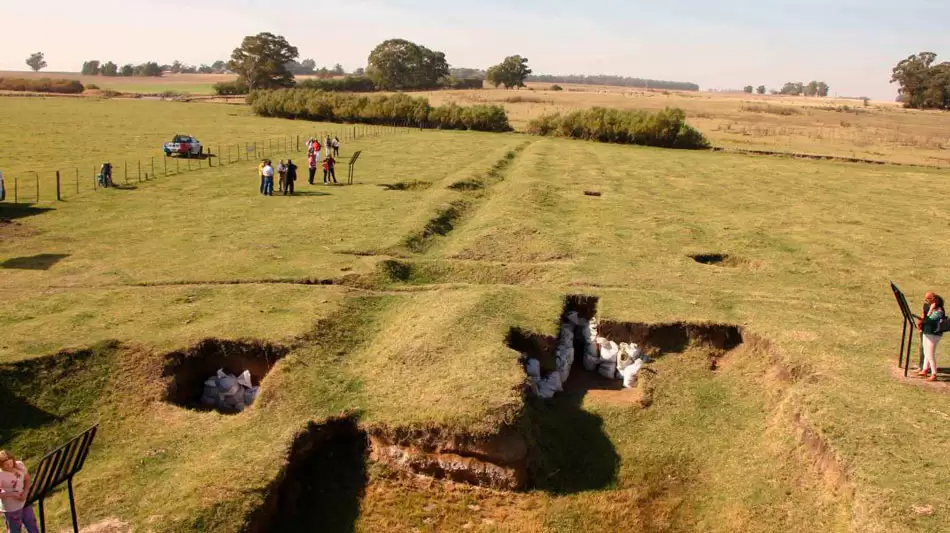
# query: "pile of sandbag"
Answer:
x=227 y=392
x=611 y=360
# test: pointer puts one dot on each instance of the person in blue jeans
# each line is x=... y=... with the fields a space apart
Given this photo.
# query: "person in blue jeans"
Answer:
x=14 y=487
x=268 y=173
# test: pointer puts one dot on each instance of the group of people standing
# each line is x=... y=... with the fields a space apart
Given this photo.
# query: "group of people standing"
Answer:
x=314 y=149
x=286 y=171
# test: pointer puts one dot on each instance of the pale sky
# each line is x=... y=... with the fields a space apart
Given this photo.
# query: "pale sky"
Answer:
x=850 y=44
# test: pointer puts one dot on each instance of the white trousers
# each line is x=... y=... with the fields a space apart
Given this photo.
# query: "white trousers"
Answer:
x=929 y=343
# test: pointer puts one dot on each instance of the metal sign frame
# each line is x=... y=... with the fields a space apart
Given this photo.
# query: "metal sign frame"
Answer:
x=58 y=466
x=907 y=329
x=352 y=168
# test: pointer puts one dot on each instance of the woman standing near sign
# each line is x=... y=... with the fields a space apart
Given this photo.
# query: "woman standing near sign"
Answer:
x=14 y=487
x=930 y=326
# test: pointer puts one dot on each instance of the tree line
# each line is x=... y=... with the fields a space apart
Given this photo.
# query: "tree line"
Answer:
x=618 y=81
x=398 y=109
x=922 y=83
x=795 y=88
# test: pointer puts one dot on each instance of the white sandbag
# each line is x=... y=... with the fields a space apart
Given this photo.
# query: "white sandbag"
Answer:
x=250 y=394
x=550 y=385
x=630 y=374
x=245 y=379
x=628 y=354
x=609 y=350
x=227 y=383
x=593 y=328
x=566 y=334
x=572 y=318
x=533 y=368
x=608 y=369
x=209 y=397
x=591 y=363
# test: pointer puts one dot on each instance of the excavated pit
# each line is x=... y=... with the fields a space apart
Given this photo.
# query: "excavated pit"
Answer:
x=321 y=483
x=186 y=371
x=721 y=260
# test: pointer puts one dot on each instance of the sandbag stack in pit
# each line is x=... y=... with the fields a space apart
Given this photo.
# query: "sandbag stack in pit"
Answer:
x=611 y=360
x=229 y=393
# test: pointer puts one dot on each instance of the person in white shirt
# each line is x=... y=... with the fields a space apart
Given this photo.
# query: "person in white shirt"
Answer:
x=14 y=487
x=268 y=173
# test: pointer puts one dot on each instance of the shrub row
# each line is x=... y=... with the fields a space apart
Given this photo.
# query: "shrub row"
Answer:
x=377 y=109
x=349 y=84
x=230 y=88
x=41 y=85
x=666 y=128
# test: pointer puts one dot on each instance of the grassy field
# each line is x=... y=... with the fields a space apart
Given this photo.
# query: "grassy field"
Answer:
x=803 y=428
x=179 y=83
x=826 y=126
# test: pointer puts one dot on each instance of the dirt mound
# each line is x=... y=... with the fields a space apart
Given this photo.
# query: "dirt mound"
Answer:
x=186 y=371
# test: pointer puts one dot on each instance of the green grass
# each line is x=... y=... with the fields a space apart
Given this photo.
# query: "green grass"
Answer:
x=412 y=334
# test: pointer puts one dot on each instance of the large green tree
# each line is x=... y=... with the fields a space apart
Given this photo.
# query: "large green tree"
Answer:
x=109 y=69
x=90 y=68
x=511 y=72
x=36 y=61
x=261 y=61
x=398 y=64
x=760 y=89
x=923 y=84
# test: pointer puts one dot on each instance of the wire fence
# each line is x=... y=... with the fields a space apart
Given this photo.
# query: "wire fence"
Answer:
x=34 y=187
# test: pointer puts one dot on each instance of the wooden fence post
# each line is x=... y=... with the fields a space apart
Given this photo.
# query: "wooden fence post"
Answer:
x=125 y=165
x=77 y=180
x=59 y=193
x=139 y=163
x=37 y=176
x=16 y=190
x=153 y=169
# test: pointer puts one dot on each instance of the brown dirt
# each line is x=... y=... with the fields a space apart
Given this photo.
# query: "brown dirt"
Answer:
x=496 y=461
x=942 y=385
x=11 y=229
x=186 y=371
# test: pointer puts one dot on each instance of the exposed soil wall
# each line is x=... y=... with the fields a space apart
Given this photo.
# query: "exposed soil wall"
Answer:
x=498 y=461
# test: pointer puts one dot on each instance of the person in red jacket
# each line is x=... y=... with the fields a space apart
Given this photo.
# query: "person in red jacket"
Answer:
x=312 y=165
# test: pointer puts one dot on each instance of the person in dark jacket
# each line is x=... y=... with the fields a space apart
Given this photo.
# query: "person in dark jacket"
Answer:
x=329 y=170
x=291 y=178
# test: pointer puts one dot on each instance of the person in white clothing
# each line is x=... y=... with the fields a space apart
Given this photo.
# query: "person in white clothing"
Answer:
x=14 y=487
